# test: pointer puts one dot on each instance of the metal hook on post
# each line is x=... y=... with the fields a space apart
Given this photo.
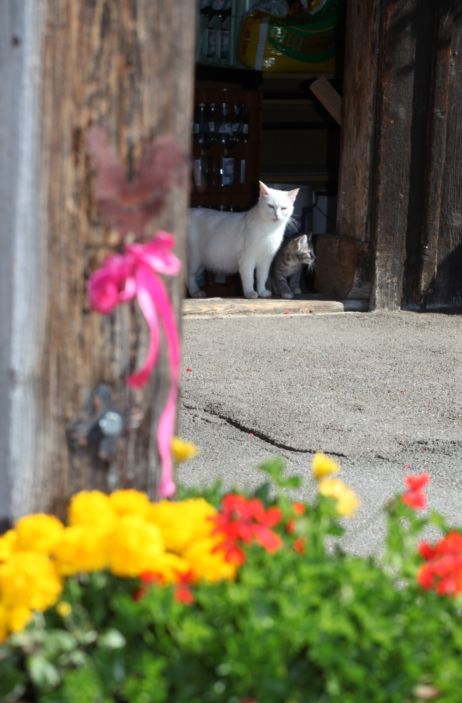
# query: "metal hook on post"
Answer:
x=101 y=424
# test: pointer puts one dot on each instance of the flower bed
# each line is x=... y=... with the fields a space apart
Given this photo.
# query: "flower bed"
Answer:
x=229 y=597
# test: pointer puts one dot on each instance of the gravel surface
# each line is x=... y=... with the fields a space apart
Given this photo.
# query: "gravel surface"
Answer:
x=381 y=392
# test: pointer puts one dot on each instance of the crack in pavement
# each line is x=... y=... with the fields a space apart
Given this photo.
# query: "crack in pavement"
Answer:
x=257 y=433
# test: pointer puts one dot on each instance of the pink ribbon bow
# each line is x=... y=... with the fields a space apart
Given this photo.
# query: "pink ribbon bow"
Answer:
x=135 y=274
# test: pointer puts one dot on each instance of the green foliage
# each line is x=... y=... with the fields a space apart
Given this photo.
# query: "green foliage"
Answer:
x=321 y=626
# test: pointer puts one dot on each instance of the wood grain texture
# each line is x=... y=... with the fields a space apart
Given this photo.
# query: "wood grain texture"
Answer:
x=440 y=274
x=241 y=307
x=392 y=153
x=358 y=105
x=127 y=65
x=337 y=260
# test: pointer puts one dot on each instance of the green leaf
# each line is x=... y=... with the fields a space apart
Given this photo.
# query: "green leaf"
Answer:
x=263 y=492
x=83 y=686
x=42 y=672
x=12 y=679
x=274 y=468
x=111 y=639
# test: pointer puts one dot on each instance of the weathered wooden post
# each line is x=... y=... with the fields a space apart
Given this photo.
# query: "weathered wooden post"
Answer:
x=64 y=66
x=353 y=224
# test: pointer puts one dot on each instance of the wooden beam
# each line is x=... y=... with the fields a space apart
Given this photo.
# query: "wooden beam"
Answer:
x=128 y=65
x=358 y=113
x=440 y=280
x=392 y=152
x=328 y=97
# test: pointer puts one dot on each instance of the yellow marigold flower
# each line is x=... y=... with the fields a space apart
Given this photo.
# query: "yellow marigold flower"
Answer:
x=348 y=503
x=91 y=508
x=135 y=544
x=347 y=500
x=3 y=622
x=38 y=533
x=63 y=608
x=82 y=548
x=322 y=466
x=207 y=563
x=129 y=502
x=18 y=617
x=7 y=544
x=182 y=450
x=168 y=566
x=29 y=579
x=182 y=522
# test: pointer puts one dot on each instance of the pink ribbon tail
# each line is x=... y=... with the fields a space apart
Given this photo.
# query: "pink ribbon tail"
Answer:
x=146 y=296
x=166 y=424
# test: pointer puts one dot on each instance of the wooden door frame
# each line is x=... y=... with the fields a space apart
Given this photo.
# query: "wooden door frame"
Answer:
x=399 y=189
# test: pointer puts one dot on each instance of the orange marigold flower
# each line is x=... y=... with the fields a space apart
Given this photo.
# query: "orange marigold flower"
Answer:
x=298 y=508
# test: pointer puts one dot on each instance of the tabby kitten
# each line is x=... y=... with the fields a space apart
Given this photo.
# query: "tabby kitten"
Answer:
x=287 y=266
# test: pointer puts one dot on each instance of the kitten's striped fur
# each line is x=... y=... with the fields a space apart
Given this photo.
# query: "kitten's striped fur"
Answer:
x=287 y=266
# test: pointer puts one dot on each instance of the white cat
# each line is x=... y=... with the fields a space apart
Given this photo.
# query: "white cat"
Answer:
x=244 y=242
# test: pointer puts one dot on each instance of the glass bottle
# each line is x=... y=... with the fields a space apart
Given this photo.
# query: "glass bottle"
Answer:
x=236 y=122
x=212 y=122
x=201 y=170
x=227 y=169
x=244 y=131
x=242 y=171
x=200 y=124
x=224 y=128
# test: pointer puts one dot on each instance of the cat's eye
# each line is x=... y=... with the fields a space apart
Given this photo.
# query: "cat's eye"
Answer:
x=283 y=209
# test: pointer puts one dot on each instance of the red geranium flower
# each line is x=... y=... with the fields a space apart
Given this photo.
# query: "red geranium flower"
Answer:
x=414 y=497
x=147 y=578
x=298 y=508
x=442 y=571
x=246 y=520
x=183 y=593
x=417 y=482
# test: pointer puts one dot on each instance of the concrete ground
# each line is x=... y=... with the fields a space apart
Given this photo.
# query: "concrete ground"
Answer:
x=380 y=392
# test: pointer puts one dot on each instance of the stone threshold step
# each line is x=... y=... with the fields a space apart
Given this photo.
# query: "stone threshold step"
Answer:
x=243 y=307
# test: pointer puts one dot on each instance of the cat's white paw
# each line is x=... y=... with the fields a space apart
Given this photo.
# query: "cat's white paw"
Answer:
x=287 y=296
x=251 y=294
x=199 y=294
x=265 y=294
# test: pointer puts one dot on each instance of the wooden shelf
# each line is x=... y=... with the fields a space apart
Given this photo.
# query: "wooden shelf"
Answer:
x=239 y=195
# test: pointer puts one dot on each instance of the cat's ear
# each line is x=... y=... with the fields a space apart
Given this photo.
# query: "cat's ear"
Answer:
x=303 y=241
x=293 y=194
x=264 y=190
